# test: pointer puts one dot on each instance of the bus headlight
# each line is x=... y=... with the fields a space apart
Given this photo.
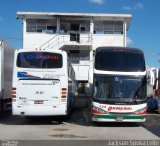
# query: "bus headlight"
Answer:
x=97 y=110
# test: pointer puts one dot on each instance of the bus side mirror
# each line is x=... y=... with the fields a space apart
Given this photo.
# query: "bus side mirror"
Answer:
x=150 y=77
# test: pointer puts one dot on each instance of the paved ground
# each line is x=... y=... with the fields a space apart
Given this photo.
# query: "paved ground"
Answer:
x=17 y=128
x=77 y=127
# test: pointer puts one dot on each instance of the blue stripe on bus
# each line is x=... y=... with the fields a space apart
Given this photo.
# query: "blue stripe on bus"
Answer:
x=25 y=75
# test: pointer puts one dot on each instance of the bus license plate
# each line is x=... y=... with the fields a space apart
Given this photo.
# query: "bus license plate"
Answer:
x=119 y=118
x=38 y=102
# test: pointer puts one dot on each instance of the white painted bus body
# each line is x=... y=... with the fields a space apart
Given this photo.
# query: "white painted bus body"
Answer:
x=43 y=91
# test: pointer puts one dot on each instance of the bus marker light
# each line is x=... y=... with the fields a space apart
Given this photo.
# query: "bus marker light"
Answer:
x=13 y=96
x=13 y=92
x=63 y=100
x=13 y=100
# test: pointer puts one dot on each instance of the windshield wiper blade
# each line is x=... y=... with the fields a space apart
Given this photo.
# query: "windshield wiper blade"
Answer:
x=136 y=100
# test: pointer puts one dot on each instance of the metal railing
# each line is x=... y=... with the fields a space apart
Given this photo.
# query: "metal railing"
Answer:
x=47 y=43
x=62 y=39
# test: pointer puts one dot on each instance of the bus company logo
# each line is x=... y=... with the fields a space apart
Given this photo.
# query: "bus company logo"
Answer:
x=31 y=57
x=111 y=108
x=117 y=78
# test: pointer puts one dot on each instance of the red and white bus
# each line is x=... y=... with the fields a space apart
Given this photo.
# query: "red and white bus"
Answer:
x=119 y=85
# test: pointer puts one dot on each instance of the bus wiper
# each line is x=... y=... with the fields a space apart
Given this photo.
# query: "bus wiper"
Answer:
x=135 y=100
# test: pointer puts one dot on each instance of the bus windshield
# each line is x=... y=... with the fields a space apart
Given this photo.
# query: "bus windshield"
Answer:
x=119 y=60
x=119 y=88
x=39 y=60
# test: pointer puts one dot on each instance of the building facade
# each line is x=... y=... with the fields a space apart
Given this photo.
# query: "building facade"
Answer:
x=79 y=34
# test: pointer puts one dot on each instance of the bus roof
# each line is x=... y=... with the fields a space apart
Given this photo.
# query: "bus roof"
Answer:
x=40 y=50
x=128 y=49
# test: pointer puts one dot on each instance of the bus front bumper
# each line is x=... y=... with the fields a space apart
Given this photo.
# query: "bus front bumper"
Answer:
x=118 y=118
x=37 y=110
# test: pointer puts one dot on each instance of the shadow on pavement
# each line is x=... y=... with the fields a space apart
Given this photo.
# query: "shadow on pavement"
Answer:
x=152 y=124
x=20 y=120
x=81 y=116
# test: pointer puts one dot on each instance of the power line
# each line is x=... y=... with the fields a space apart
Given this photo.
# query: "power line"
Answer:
x=11 y=38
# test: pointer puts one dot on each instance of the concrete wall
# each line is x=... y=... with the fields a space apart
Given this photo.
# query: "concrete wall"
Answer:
x=35 y=40
x=107 y=40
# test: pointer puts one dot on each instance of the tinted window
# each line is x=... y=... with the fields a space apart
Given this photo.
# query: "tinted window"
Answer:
x=39 y=60
x=119 y=88
x=111 y=60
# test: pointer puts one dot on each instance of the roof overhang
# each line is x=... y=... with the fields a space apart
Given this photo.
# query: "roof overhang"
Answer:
x=95 y=16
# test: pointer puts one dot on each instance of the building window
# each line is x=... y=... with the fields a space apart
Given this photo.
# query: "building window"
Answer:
x=41 y=25
x=79 y=55
x=78 y=26
x=108 y=27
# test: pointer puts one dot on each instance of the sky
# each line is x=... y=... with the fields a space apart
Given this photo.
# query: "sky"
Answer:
x=144 y=31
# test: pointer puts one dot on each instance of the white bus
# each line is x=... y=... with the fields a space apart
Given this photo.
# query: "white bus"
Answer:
x=157 y=81
x=43 y=83
x=119 y=88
